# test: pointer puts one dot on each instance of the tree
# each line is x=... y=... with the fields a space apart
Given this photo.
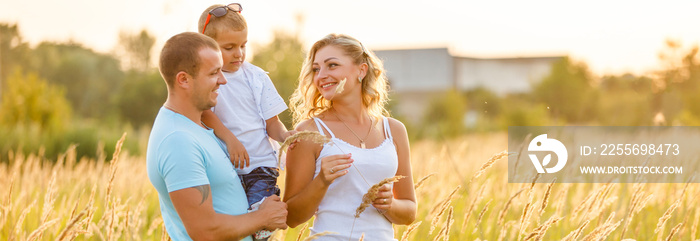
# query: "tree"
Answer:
x=136 y=49
x=446 y=114
x=13 y=51
x=139 y=98
x=568 y=91
x=31 y=101
x=89 y=78
x=282 y=58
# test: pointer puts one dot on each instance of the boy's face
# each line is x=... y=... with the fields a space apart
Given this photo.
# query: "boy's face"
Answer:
x=232 y=44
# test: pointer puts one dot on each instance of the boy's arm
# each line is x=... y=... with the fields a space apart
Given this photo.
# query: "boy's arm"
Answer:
x=237 y=152
x=276 y=130
x=195 y=208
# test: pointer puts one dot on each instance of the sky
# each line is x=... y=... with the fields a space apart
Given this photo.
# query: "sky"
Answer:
x=612 y=37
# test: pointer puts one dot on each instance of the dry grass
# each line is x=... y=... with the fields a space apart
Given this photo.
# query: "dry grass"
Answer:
x=66 y=198
x=371 y=194
x=312 y=136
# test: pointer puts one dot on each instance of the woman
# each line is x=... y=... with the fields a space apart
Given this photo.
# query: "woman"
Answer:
x=366 y=147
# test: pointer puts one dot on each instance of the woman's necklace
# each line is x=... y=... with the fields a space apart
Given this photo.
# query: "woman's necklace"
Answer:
x=362 y=140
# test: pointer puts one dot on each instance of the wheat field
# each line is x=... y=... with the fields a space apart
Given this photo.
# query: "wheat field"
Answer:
x=462 y=188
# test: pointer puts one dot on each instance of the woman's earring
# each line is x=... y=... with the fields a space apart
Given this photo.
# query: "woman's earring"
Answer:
x=359 y=79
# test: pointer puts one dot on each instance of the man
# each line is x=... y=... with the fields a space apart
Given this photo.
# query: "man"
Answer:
x=200 y=195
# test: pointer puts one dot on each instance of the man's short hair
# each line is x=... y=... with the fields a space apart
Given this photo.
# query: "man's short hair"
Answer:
x=232 y=21
x=181 y=53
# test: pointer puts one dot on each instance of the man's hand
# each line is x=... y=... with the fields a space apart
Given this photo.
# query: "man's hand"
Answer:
x=238 y=154
x=276 y=212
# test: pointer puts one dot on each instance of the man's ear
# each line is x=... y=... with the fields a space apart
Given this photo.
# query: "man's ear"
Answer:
x=183 y=79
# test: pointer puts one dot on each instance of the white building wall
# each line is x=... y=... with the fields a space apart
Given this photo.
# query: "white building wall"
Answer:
x=419 y=69
x=502 y=76
x=418 y=76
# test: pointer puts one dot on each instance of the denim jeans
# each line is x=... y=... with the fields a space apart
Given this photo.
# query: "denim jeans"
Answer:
x=260 y=183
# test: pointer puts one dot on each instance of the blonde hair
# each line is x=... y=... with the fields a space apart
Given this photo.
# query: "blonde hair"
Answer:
x=306 y=101
x=232 y=21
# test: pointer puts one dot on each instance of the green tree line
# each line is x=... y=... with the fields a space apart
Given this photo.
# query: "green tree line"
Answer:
x=572 y=95
x=57 y=94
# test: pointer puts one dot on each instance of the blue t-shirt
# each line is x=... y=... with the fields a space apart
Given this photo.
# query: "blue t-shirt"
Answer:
x=182 y=154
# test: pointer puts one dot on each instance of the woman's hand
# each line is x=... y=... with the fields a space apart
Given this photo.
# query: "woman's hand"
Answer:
x=385 y=197
x=334 y=166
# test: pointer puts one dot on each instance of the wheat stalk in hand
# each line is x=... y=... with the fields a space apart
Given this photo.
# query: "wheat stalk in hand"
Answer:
x=372 y=194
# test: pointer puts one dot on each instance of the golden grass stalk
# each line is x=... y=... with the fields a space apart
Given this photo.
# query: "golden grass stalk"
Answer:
x=362 y=237
x=502 y=214
x=585 y=202
x=113 y=166
x=476 y=199
x=68 y=229
x=312 y=136
x=35 y=235
x=694 y=230
x=420 y=182
x=545 y=199
x=504 y=230
x=439 y=235
x=20 y=220
x=489 y=163
x=409 y=230
x=371 y=194
x=481 y=215
x=599 y=199
x=559 y=206
x=448 y=223
x=440 y=208
x=520 y=152
x=441 y=205
x=634 y=201
x=49 y=199
x=675 y=230
x=573 y=235
x=604 y=230
x=434 y=221
x=539 y=232
x=301 y=232
x=525 y=217
x=667 y=215
x=158 y=221
x=318 y=235
x=163 y=234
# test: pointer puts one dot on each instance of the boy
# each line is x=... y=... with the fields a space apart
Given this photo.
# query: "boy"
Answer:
x=247 y=109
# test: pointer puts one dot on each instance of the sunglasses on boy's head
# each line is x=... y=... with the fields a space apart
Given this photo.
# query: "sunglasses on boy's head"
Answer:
x=221 y=11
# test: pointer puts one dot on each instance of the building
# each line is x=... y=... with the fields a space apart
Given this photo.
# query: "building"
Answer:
x=419 y=75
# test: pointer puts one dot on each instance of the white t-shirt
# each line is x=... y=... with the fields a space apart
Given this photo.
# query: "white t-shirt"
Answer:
x=244 y=103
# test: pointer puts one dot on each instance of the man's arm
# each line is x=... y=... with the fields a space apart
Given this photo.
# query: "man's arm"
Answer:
x=195 y=208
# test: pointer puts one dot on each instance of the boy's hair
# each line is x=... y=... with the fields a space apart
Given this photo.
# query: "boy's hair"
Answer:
x=181 y=53
x=232 y=21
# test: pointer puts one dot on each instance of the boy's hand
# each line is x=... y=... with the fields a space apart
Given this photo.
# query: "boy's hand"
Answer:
x=238 y=154
x=287 y=135
x=275 y=211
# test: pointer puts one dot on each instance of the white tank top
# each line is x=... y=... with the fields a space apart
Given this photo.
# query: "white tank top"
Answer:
x=337 y=209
